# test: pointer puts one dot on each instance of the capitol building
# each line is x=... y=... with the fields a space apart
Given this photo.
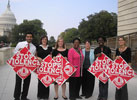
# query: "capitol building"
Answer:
x=7 y=21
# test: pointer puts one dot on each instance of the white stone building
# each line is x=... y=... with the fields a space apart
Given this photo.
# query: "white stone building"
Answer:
x=7 y=21
x=127 y=17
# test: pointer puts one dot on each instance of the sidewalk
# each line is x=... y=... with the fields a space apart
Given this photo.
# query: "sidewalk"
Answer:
x=7 y=83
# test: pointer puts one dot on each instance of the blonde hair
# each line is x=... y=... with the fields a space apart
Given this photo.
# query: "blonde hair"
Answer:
x=56 y=45
x=124 y=39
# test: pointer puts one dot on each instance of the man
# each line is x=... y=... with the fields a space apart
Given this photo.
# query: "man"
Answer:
x=103 y=88
x=26 y=82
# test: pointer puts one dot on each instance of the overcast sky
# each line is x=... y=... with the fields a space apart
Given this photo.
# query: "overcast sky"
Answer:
x=57 y=15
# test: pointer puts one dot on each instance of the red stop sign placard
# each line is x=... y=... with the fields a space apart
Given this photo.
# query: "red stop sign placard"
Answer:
x=120 y=72
x=23 y=63
x=48 y=71
x=99 y=66
x=66 y=69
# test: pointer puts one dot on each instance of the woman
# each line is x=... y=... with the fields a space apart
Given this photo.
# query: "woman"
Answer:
x=125 y=53
x=75 y=57
x=60 y=48
x=42 y=51
x=88 y=79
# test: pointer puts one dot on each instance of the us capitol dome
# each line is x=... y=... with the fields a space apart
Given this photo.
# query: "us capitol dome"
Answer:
x=7 y=21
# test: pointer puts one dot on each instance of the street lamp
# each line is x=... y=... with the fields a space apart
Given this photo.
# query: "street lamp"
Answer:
x=21 y=36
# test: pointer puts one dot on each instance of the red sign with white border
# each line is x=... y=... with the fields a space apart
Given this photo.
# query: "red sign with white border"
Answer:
x=23 y=63
x=99 y=66
x=48 y=71
x=66 y=68
x=120 y=72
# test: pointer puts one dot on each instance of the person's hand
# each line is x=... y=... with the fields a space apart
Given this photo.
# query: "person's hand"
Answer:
x=98 y=55
x=65 y=58
x=20 y=49
x=54 y=58
x=40 y=59
x=117 y=57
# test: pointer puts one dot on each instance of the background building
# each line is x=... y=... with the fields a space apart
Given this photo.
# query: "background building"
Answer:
x=127 y=17
x=7 y=21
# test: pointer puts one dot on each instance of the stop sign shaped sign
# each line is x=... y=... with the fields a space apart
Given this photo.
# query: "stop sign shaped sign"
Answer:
x=120 y=72
x=23 y=63
x=48 y=71
x=66 y=69
x=99 y=67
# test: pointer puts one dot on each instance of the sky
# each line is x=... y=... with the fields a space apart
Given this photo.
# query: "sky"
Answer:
x=57 y=15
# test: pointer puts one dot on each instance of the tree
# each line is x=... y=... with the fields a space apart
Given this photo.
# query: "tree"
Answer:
x=69 y=34
x=102 y=23
x=33 y=26
x=4 y=39
x=52 y=41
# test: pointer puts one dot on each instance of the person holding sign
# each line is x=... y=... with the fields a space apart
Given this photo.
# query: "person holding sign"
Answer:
x=125 y=53
x=88 y=80
x=26 y=82
x=43 y=50
x=75 y=57
x=103 y=88
x=60 y=48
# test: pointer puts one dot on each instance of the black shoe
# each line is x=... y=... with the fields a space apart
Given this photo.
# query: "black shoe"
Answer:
x=101 y=99
x=17 y=99
x=87 y=96
x=73 y=99
x=56 y=98
x=65 y=98
x=79 y=97
x=25 y=99
x=82 y=95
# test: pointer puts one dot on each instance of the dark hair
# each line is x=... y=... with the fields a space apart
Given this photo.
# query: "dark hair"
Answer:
x=42 y=37
x=104 y=38
x=76 y=39
x=87 y=40
x=29 y=33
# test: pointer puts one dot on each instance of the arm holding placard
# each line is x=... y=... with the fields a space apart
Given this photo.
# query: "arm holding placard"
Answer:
x=17 y=48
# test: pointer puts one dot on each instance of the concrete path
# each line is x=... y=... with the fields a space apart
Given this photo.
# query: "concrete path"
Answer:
x=7 y=83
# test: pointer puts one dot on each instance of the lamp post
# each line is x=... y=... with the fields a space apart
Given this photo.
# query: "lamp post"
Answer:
x=21 y=36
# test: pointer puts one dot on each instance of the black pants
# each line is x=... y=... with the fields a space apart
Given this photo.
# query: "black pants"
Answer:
x=43 y=92
x=18 y=85
x=88 y=81
x=74 y=87
x=122 y=94
x=103 y=90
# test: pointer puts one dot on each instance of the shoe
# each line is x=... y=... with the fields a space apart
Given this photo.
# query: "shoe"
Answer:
x=87 y=96
x=65 y=98
x=79 y=97
x=82 y=95
x=55 y=98
x=17 y=99
x=25 y=99
x=101 y=99
x=73 y=99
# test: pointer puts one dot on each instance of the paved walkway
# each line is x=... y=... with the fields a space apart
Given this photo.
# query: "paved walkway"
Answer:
x=7 y=82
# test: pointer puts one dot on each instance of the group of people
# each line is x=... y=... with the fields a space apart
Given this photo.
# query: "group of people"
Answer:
x=81 y=59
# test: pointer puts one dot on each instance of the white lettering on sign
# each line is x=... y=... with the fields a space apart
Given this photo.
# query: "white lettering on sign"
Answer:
x=50 y=68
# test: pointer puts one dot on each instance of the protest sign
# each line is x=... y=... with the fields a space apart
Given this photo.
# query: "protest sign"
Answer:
x=120 y=72
x=23 y=63
x=48 y=71
x=99 y=66
x=66 y=69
